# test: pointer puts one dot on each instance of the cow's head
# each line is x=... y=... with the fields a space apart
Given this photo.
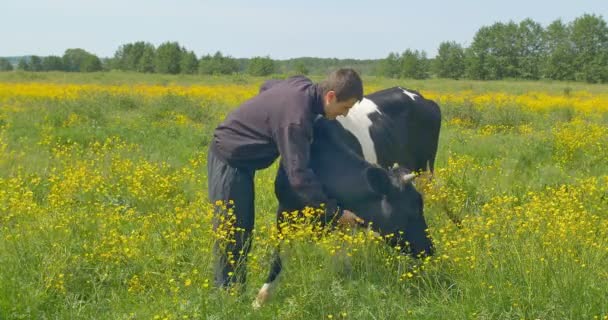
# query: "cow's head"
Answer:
x=395 y=209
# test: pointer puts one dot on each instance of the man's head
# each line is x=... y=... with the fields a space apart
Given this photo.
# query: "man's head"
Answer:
x=341 y=90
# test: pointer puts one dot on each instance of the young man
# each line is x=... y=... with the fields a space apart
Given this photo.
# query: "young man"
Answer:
x=276 y=122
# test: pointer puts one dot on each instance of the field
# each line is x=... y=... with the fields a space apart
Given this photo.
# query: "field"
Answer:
x=103 y=210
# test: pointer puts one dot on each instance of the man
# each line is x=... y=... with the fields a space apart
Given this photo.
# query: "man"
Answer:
x=276 y=122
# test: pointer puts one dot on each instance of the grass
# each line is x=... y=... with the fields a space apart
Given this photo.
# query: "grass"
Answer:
x=103 y=211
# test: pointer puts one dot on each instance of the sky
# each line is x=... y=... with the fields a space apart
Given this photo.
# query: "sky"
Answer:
x=281 y=29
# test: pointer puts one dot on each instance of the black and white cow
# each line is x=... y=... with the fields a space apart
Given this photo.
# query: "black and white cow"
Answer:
x=385 y=198
x=395 y=126
x=388 y=127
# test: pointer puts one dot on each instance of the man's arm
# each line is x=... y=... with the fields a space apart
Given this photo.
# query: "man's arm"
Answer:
x=293 y=142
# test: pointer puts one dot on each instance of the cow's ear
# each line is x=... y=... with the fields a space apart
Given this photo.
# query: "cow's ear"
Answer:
x=378 y=180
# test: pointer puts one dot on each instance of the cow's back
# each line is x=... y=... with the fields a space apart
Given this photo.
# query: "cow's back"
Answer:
x=396 y=125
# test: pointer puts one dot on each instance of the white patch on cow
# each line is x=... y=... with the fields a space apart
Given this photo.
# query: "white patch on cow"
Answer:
x=410 y=94
x=263 y=296
x=358 y=123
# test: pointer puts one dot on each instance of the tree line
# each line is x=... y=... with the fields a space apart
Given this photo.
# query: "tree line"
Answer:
x=574 y=51
x=171 y=58
x=73 y=60
x=562 y=51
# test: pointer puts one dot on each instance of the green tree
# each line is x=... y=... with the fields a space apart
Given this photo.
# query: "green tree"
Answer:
x=506 y=52
x=390 y=67
x=414 y=64
x=450 y=60
x=531 y=49
x=146 y=62
x=79 y=60
x=23 y=65
x=188 y=63
x=72 y=59
x=559 y=59
x=90 y=63
x=5 y=65
x=300 y=68
x=590 y=43
x=493 y=53
x=218 y=64
x=126 y=57
x=52 y=63
x=228 y=65
x=168 y=58
x=129 y=56
x=35 y=63
x=478 y=54
x=210 y=64
x=261 y=66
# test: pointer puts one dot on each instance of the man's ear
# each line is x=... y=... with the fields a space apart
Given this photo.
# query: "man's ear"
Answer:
x=330 y=96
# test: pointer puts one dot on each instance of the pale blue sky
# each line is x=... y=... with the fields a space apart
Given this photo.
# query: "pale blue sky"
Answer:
x=279 y=28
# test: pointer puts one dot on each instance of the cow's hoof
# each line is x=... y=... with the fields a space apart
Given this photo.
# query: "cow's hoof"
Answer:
x=260 y=300
x=262 y=297
x=256 y=304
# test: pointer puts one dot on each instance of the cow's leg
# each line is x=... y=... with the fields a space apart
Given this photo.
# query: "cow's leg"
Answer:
x=276 y=266
x=266 y=290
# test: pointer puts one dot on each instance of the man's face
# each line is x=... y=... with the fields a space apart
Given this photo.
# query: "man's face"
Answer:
x=334 y=108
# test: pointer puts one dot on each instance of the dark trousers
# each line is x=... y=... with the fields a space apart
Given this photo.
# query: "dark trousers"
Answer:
x=227 y=184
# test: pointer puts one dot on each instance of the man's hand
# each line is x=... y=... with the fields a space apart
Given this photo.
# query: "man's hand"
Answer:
x=349 y=219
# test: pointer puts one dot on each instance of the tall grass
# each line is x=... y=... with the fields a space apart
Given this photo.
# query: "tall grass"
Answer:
x=103 y=209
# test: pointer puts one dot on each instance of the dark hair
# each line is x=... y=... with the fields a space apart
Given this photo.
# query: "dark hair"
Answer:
x=345 y=82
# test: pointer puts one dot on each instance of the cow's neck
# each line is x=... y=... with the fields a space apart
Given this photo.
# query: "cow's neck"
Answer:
x=358 y=123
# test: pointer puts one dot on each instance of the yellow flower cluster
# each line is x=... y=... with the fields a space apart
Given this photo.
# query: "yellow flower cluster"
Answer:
x=233 y=94
x=228 y=94
x=550 y=226
x=580 y=101
x=582 y=140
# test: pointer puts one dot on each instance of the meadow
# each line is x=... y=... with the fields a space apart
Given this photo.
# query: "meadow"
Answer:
x=104 y=212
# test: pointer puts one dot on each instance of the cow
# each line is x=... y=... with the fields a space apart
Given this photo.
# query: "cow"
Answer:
x=384 y=198
x=395 y=126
